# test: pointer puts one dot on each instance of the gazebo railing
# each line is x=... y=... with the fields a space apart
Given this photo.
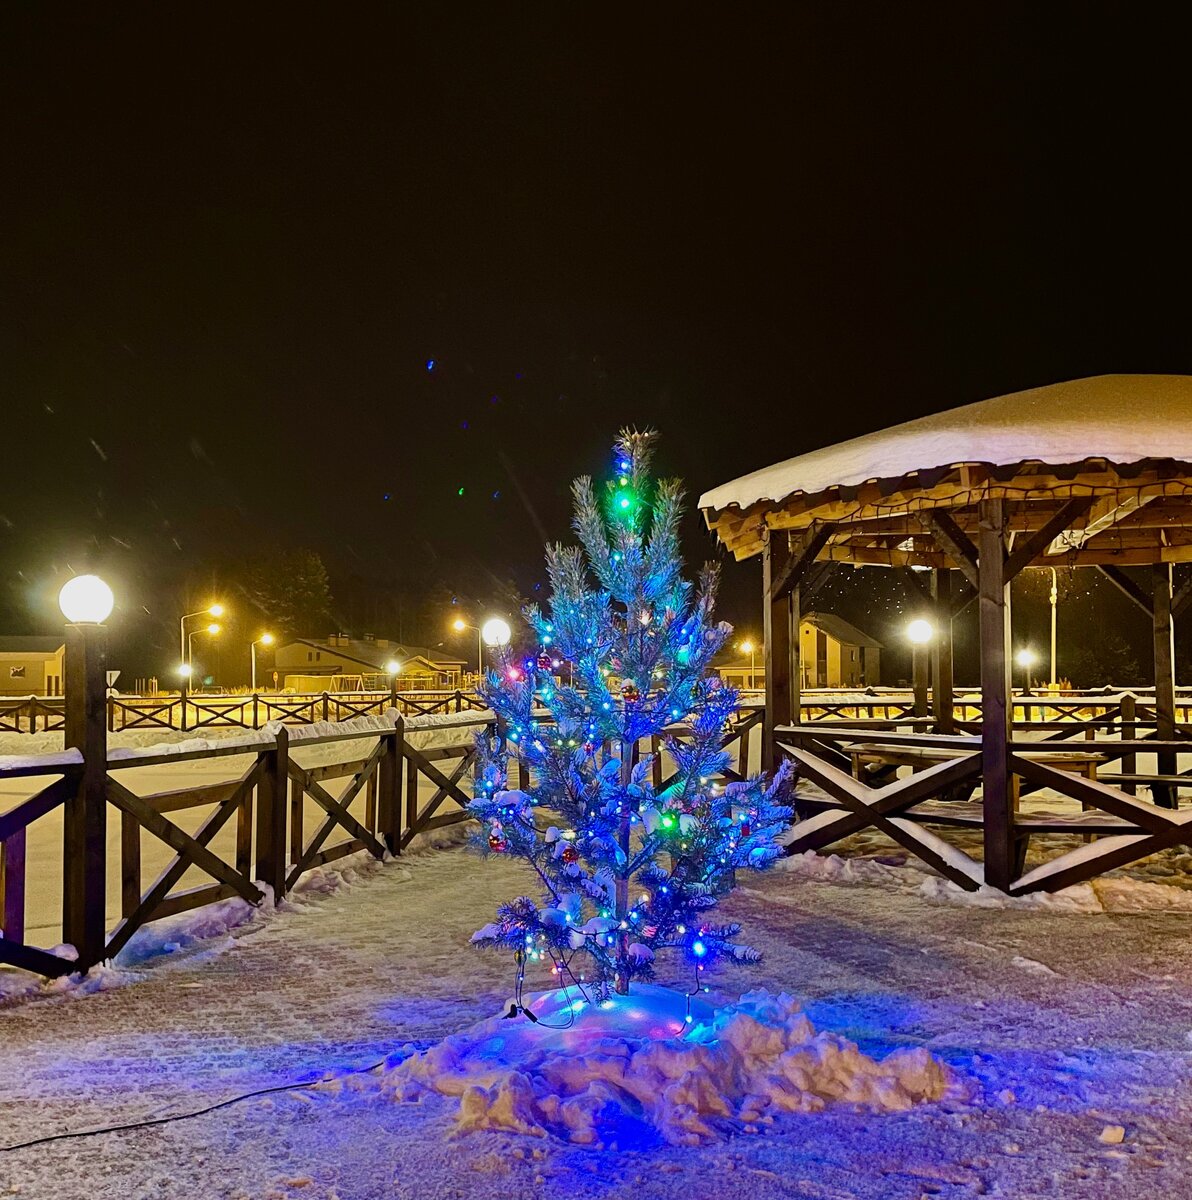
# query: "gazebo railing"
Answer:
x=945 y=771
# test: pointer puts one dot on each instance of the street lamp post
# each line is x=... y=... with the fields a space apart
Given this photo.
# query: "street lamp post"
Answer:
x=184 y=673
x=1054 y=597
x=1026 y=659
x=216 y=610
x=920 y=633
x=493 y=633
x=212 y=629
x=459 y=625
x=393 y=669
x=266 y=639
x=750 y=649
x=86 y=602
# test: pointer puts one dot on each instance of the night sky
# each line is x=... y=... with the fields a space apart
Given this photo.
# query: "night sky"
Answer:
x=234 y=238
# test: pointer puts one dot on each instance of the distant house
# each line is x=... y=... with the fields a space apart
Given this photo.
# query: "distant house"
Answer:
x=31 y=666
x=345 y=664
x=832 y=654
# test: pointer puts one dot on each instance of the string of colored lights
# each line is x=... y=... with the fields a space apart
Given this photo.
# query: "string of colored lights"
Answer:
x=637 y=640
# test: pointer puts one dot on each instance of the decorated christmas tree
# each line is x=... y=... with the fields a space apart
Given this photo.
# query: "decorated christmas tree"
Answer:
x=620 y=662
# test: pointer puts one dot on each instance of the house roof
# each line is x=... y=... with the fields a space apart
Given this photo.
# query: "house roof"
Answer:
x=834 y=626
x=372 y=655
x=34 y=644
x=1123 y=419
x=839 y=629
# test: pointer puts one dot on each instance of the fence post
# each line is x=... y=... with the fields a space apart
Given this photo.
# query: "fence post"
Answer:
x=389 y=787
x=256 y=724
x=271 y=815
x=1128 y=731
x=459 y=700
x=12 y=885
x=326 y=707
x=182 y=711
x=84 y=892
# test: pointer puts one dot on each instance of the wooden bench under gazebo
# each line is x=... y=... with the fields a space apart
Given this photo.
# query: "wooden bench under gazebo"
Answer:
x=1092 y=473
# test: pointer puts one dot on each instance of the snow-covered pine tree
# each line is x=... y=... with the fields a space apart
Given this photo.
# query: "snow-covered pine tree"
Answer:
x=625 y=870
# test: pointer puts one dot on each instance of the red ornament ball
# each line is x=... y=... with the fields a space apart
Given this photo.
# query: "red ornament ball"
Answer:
x=496 y=841
x=544 y=661
x=570 y=854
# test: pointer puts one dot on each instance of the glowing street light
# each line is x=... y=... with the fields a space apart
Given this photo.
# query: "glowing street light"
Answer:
x=496 y=632
x=86 y=600
x=214 y=610
x=266 y=639
x=919 y=632
x=459 y=625
x=393 y=670
x=1026 y=658
x=749 y=648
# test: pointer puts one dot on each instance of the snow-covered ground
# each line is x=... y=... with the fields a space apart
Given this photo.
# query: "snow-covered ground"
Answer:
x=1070 y=1027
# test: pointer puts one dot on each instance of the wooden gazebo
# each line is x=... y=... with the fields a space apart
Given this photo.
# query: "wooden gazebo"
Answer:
x=1095 y=472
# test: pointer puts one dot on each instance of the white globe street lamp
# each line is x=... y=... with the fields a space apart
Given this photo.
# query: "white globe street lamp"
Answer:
x=920 y=632
x=86 y=600
x=496 y=632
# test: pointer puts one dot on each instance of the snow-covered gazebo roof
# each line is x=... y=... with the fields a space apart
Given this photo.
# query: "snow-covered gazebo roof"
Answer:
x=1125 y=440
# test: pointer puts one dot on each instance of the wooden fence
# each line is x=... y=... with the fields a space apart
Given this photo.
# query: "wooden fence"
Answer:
x=44 y=714
x=1084 y=749
x=267 y=802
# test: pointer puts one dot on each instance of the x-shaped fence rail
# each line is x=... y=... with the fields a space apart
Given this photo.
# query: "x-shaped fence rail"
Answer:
x=1126 y=827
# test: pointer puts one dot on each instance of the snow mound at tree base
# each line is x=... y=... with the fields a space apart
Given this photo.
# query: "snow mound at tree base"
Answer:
x=633 y=1072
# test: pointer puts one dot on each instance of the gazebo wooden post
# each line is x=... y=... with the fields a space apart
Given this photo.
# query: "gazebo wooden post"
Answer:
x=942 y=681
x=776 y=633
x=794 y=618
x=1163 y=627
x=920 y=682
x=994 y=601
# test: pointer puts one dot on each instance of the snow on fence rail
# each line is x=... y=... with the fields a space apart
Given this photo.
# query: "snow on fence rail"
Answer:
x=379 y=810
x=46 y=714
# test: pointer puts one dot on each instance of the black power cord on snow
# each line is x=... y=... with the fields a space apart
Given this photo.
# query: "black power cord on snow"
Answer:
x=199 y=1112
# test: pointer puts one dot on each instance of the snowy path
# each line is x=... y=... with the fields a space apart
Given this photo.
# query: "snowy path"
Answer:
x=1085 y=1019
